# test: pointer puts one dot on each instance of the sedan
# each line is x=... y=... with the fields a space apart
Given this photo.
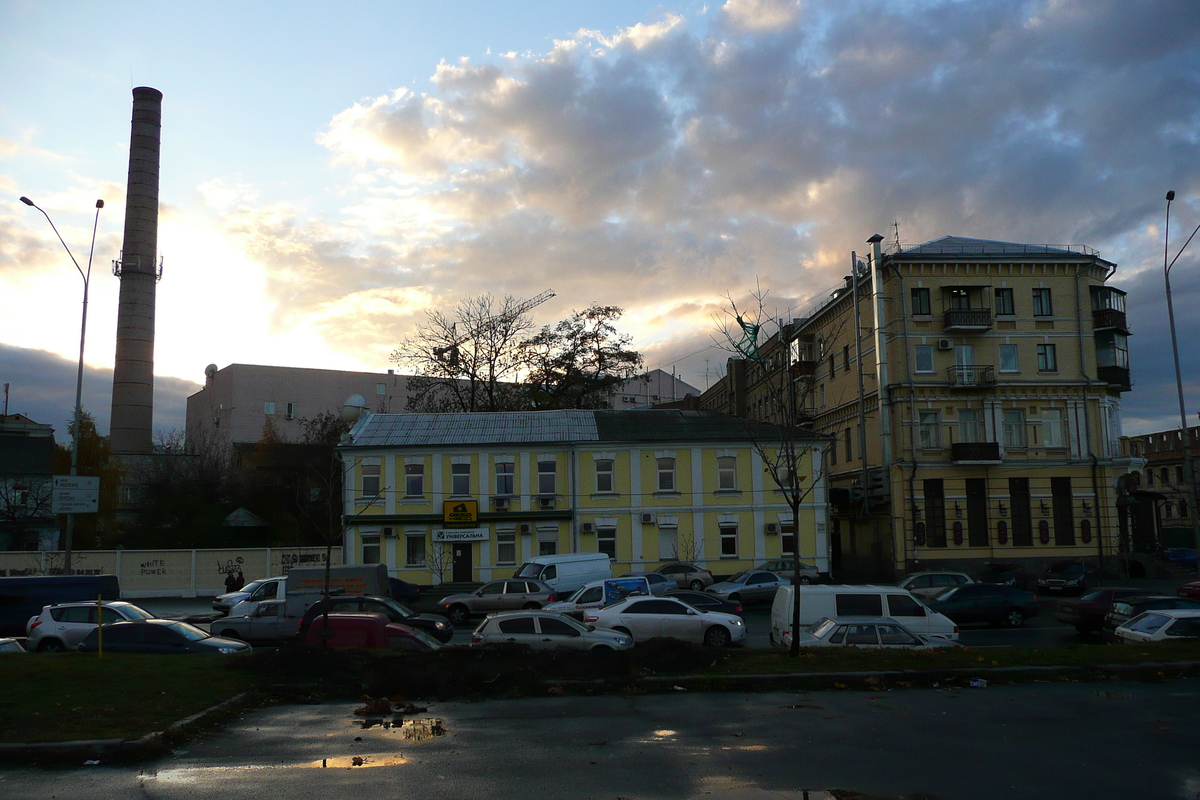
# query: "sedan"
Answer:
x=433 y=624
x=645 y=618
x=1189 y=590
x=1069 y=576
x=506 y=595
x=986 y=602
x=1159 y=626
x=706 y=602
x=925 y=583
x=161 y=636
x=876 y=634
x=1086 y=613
x=544 y=630
x=786 y=568
x=687 y=576
x=749 y=586
x=1122 y=612
x=659 y=583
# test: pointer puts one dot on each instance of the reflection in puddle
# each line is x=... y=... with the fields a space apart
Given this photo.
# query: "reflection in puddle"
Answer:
x=351 y=762
x=412 y=730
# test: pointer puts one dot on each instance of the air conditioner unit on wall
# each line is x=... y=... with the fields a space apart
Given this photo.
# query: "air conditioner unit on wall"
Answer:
x=772 y=527
x=501 y=503
x=647 y=518
x=545 y=502
x=526 y=528
x=587 y=527
x=945 y=344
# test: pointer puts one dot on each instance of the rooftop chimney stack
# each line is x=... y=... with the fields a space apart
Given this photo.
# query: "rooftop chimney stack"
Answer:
x=139 y=271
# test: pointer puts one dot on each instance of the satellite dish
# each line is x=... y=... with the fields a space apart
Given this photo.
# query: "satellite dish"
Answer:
x=353 y=408
x=210 y=370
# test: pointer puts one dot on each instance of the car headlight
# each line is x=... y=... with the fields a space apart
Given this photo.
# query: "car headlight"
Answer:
x=228 y=649
x=442 y=624
x=1073 y=581
x=738 y=622
x=624 y=640
x=1041 y=581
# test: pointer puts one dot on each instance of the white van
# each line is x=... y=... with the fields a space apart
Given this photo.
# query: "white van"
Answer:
x=567 y=572
x=597 y=594
x=856 y=601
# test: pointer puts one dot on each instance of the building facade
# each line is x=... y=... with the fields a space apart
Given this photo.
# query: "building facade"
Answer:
x=973 y=389
x=1164 y=480
x=27 y=521
x=645 y=487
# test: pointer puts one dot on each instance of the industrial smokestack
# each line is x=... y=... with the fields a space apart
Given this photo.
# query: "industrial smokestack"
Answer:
x=139 y=271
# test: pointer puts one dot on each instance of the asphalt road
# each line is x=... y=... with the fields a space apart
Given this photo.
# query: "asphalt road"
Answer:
x=1066 y=740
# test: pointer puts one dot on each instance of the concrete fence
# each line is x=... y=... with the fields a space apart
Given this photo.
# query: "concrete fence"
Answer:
x=169 y=573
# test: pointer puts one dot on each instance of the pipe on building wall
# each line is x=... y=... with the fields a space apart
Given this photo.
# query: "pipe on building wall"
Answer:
x=133 y=371
x=1087 y=424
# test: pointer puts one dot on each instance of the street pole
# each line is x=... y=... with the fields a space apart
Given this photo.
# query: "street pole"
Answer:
x=1187 y=446
x=87 y=276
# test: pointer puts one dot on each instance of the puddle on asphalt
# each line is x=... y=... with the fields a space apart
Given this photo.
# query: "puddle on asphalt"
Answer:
x=410 y=730
x=359 y=761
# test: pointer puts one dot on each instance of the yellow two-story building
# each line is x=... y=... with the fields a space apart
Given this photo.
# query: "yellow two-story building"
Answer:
x=469 y=497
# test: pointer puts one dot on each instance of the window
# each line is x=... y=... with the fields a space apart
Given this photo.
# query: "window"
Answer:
x=546 y=475
x=604 y=475
x=1004 y=302
x=370 y=548
x=833 y=454
x=1013 y=422
x=787 y=539
x=370 y=481
x=414 y=551
x=846 y=358
x=1168 y=510
x=729 y=548
x=506 y=546
x=1022 y=513
x=969 y=429
x=292 y=410
x=1183 y=508
x=726 y=473
x=920 y=302
x=1008 y=358
x=849 y=445
x=269 y=408
x=1149 y=477
x=1178 y=474
x=960 y=299
x=504 y=478
x=1064 y=514
x=668 y=543
x=381 y=389
x=1054 y=432
x=927 y=429
x=414 y=480
x=935 y=512
x=1042 y=306
x=666 y=474
x=1162 y=477
x=1047 y=358
x=977 y=503
x=547 y=548
x=858 y=605
x=923 y=358
x=460 y=479
x=606 y=541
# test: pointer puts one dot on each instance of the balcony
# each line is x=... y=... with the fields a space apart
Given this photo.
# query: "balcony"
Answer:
x=1109 y=319
x=1116 y=376
x=803 y=368
x=975 y=453
x=972 y=376
x=967 y=319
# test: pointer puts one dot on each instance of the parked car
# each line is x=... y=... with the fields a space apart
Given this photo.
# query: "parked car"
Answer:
x=225 y=602
x=158 y=636
x=600 y=593
x=659 y=583
x=1086 y=612
x=1069 y=576
x=985 y=602
x=706 y=601
x=62 y=626
x=404 y=591
x=11 y=645
x=749 y=586
x=506 y=595
x=922 y=582
x=1181 y=556
x=1005 y=573
x=786 y=568
x=369 y=631
x=1125 y=610
x=545 y=630
x=876 y=634
x=1189 y=590
x=864 y=602
x=687 y=576
x=645 y=618
x=1158 y=626
x=433 y=624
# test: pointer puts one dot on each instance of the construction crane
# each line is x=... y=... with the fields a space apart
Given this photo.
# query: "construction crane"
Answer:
x=452 y=348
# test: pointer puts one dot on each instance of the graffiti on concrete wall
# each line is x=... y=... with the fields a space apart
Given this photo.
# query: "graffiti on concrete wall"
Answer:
x=230 y=566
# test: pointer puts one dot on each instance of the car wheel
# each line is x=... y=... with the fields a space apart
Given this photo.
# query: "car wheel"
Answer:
x=624 y=632
x=460 y=615
x=51 y=646
x=230 y=634
x=601 y=648
x=805 y=580
x=696 y=585
x=1015 y=618
x=529 y=606
x=735 y=598
x=717 y=636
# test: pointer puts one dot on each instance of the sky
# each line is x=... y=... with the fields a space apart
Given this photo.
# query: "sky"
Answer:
x=332 y=171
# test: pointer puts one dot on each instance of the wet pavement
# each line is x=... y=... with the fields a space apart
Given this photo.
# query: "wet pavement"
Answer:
x=1062 y=740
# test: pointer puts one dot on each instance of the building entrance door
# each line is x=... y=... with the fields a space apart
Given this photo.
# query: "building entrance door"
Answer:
x=462 y=569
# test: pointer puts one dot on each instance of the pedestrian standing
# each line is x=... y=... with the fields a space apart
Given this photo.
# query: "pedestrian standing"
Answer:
x=230 y=583
x=240 y=582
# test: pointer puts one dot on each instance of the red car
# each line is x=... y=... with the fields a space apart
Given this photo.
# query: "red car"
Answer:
x=1087 y=613
x=1190 y=590
x=368 y=631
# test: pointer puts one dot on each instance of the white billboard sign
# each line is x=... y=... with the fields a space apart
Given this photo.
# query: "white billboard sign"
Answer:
x=460 y=534
x=74 y=494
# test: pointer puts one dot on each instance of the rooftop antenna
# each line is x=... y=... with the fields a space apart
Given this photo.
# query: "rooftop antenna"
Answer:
x=896 y=226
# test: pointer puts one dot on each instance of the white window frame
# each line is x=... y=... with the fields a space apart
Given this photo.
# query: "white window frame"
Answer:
x=409 y=541
x=1054 y=429
x=547 y=479
x=269 y=408
x=370 y=549
x=609 y=473
x=923 y=358
x=928 y=425
x=728 y=536
x=506 y=546
x=460 y=477
x=506 y=471
x=667 y=472
x=1047 y=355
x=1013 y=427
x=606 y=537
x=727 y=473
x=970 y=425
x=418 y=476
x=1011 y=350
x=371 y=472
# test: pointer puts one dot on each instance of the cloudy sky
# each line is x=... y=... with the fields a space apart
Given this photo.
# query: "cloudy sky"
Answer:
x=330 y=171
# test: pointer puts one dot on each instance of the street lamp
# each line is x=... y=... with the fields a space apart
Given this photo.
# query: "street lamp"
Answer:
x=87 y=276
x=1187 y=447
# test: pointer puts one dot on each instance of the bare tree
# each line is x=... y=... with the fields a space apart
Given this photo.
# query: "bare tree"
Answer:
x=25 y=506
x=437 y=558
x=687 y=548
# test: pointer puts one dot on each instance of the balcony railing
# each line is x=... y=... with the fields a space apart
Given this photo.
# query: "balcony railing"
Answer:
x=967 y=319
x=803 y=367
x=971 y=376
x=1105 y=318
x=976 y=452
x=1116 y=376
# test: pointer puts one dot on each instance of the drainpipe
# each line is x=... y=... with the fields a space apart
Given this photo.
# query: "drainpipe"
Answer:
x=862 y=391
x=573 y=477
x=881 y=367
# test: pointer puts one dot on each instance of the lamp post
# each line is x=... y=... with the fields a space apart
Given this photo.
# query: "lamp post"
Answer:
x=1187 y=447
x=87 y=276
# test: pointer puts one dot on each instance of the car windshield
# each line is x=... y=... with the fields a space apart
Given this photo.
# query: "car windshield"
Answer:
x=251 y=586
x=189 y=632
x=739 y=578
x=1065 y=569
x=821 y=627
x=1095 y=594
x=529 y=571
x=946 y=595
x=133 y=612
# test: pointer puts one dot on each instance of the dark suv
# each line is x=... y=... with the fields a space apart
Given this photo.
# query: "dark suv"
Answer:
x=433 y=624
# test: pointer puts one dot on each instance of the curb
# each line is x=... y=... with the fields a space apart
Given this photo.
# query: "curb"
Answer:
x=94 y=750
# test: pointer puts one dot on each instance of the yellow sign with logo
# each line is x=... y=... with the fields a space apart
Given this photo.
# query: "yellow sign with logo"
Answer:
x=460 y=512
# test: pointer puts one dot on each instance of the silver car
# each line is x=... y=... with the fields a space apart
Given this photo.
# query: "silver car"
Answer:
x=644 y=618
x=545 y=630
x=876 y=634
x=928 y=584
x=62 y=626
x=506 y=595
x=749 y=586
x=687 y=576
x=786 y=568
